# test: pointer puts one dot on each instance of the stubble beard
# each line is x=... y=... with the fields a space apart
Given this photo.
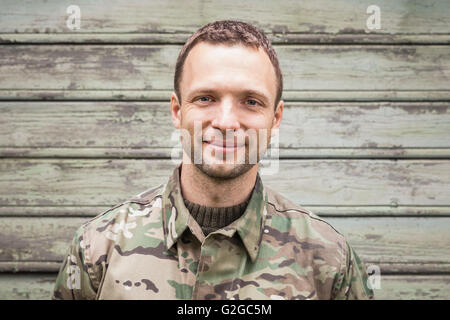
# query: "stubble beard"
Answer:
x=221 y=171
x=214 y=172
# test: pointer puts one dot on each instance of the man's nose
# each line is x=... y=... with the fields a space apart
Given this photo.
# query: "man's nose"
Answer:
x=226 y=117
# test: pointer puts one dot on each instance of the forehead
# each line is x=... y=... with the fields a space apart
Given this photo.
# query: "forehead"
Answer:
x=228 y=66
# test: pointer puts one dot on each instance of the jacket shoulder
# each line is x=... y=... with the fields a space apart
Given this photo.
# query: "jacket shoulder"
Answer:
x=98 y=237
x=279 y=205
x=139 y=205
x=121 y=225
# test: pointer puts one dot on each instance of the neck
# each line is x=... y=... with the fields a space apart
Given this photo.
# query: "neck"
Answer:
x=199 y=188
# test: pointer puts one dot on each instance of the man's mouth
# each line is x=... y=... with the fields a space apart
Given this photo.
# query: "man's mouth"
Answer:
x=224 y=145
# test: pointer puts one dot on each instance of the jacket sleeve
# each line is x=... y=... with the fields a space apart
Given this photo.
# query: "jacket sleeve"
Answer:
x=352 y=282
x=73 y=281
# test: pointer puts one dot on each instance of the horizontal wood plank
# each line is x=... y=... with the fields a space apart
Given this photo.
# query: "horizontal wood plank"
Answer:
x=385 y=242
x=101 y=182
x=144 y=129
x=318 y=19
x=145 y=68
x=284 y=153
x=323 y=211
x=387 y=268
x=409 y=287
x=162 y=95
x=180 y=38
x=27 y=286
x=40 y=286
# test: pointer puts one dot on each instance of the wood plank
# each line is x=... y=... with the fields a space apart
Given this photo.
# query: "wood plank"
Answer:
x=29 y=266
x=323 y=211
x=37 y=286
x=385 y=242
x=318 y=17
x=143 y=129
x=387 y=268
x=388 y=240
x=36 y=239
x=180 y=38
x=27 y=286
x=90 y=182
x=284 y=153
x=408 y=287
x=141 y=67
x=162 y=95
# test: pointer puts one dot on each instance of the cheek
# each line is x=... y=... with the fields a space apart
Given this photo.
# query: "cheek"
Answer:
x=258 y=122
x=194 y=128
x=193 y=115
x=263 y=129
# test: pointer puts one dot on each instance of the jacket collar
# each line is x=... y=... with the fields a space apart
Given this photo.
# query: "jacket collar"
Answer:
x=249 y=226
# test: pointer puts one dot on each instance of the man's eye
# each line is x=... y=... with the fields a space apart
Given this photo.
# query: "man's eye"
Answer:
x=252 y=102
x=204 y=99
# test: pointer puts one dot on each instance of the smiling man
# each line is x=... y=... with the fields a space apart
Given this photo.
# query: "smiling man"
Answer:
x=214 y=231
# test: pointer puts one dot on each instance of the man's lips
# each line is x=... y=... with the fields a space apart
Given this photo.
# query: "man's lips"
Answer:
x=224 y=144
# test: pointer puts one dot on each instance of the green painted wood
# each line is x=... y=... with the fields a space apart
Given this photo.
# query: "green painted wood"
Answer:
x=412 y=268
x=29 y=266
x=389 y=240
x=288 y=95
x=284 y=153
x=309 y=67
x=36 y=239
x=93 y=182
x=415 y=268
x=346 y=129
x=393 y=287
x=316 y=17
x=406 y=287
x=27 y=286
x=180 y=38
x=385 y=242
x=323 y=211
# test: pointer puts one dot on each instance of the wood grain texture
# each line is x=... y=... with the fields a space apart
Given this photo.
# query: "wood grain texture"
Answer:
x=410 y=268
x=39 y=286
x=414 y=288
x=90 y=182
x=288 y=95
x=396 y=241
x=284 y=153
x=144 y=129
x=141 y=67
x=180 y=38
x=386 y=242
x=323 y=211
x=314 y=20
x=27 y=286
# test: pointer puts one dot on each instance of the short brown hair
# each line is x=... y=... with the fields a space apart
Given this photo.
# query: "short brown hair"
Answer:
x=229 y=32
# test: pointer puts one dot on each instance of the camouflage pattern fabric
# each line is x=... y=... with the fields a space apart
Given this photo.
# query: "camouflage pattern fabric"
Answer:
x=151 y=248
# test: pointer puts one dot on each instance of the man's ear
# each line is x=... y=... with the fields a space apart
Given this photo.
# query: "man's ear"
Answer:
x=277 y=116
x=175 y=110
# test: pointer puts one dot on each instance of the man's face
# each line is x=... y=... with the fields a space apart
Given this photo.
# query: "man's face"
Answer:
x=228 y=95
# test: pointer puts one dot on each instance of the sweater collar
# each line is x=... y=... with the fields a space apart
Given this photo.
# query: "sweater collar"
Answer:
x=176 y=217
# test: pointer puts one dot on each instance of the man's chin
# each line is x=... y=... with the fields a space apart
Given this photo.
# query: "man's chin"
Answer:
x=224 y=171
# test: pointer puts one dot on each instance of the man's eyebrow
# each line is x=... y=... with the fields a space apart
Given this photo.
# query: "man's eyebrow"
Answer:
x=201 y=90
x=257 y=93
x=247 y=92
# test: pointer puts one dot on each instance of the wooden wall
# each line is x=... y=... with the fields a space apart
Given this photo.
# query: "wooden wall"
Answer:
x=365 y=140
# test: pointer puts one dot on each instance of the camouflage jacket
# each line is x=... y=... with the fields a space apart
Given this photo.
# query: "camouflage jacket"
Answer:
x=151 y=248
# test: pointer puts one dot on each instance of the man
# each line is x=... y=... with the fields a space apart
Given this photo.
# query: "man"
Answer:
x=214 y=231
